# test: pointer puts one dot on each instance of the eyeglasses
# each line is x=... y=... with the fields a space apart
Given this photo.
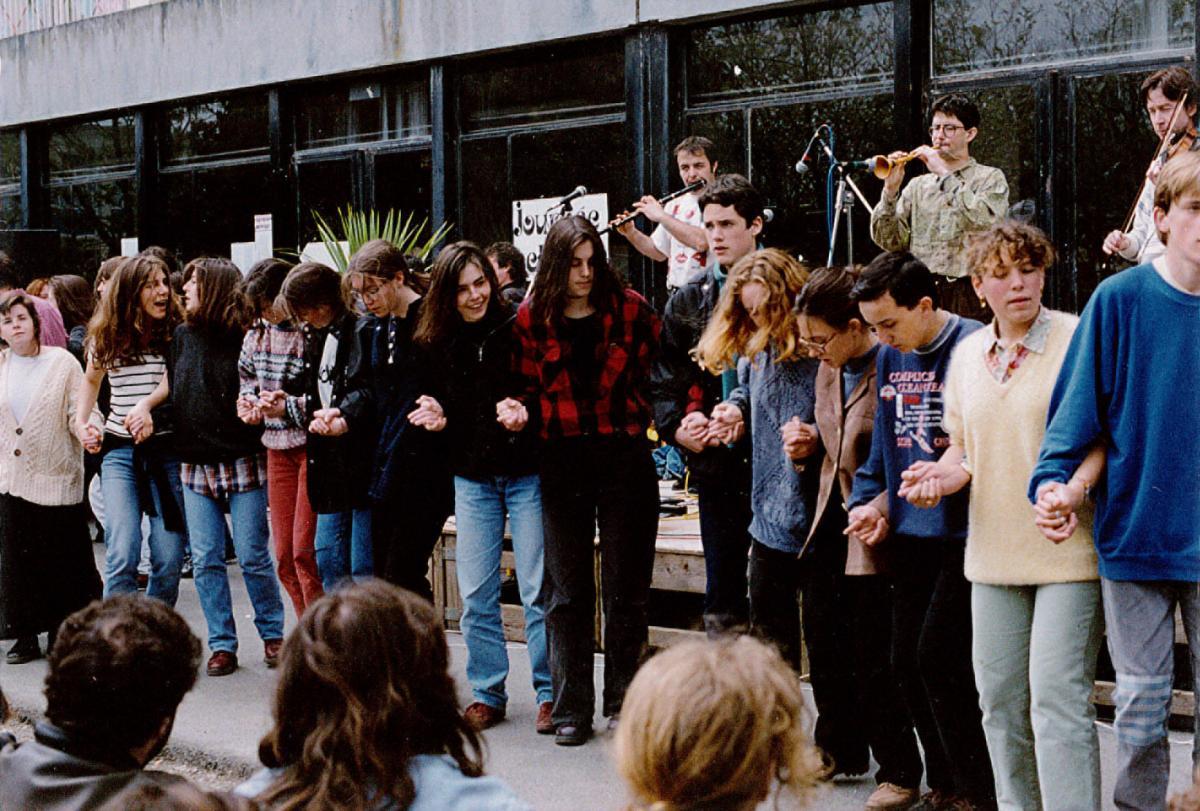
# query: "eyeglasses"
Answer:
x=948 y=129
x=816 y=344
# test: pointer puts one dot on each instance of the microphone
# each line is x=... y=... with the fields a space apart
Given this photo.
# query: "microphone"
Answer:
x=769 y=213
x=579 y=191
x=801 y=166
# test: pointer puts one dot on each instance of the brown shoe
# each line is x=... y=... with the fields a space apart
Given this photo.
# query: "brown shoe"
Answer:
x=222 y=663
x=271 y=649
x=483 y=716
x=934 y=800
x=891 y=796
x=544 y=724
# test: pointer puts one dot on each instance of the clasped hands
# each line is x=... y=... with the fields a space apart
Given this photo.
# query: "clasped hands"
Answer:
x=697 y=432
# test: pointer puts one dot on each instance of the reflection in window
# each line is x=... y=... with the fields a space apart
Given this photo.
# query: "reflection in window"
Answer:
x=1114 y=143
x=10 y=210
x=10 y=158
x=582 y=77
x=340 y=116
x=728 y=133
x=92 y=147
x=486 y=205
x=92 y=219
x=409 y=107
x=325 y=187
x=403 y=183
x=979 y=34
x=207 y=209
x=862 y=128
x=219 y=128
x=786 y=54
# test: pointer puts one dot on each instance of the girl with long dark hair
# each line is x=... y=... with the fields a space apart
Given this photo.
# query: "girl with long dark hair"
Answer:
x=466 y=323
x=128 y=340
x=76 y=302
x=271 y=369
x=46 y=566
x=224 y=465
x=586 y=347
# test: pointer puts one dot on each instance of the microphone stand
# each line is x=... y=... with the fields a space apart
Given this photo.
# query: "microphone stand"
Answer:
x=843 y=201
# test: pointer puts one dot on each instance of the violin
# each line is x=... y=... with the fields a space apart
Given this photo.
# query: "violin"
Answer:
x=1180 y=142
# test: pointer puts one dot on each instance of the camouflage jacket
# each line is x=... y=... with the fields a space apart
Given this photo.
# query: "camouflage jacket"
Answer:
x=932 y=215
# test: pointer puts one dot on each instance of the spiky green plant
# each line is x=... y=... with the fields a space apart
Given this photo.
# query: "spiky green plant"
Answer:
x=360 y=227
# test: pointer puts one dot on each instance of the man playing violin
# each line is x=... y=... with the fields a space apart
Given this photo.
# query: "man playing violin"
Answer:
x=1161 y=93
x=679 y=239
x=936 y=211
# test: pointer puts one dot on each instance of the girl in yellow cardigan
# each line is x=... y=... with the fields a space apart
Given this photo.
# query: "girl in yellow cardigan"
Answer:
x=1035 y=598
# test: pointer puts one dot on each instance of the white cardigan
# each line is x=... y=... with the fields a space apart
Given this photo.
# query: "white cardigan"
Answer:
x=41 y=459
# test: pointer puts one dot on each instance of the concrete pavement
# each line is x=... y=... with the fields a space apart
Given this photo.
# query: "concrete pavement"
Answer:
x=222 y=719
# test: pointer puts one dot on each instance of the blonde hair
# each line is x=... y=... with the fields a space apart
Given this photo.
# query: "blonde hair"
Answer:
x=1180 y=176
x=1008 y=244
x=732 y=332
x=712 y=724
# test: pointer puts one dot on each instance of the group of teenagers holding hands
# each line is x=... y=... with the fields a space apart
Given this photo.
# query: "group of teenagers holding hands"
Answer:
x=965 y=509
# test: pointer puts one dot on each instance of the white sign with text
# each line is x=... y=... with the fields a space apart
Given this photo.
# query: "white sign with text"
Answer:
x=532 y=219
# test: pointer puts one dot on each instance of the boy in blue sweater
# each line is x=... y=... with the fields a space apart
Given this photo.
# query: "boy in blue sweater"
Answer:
x=931 y=609
x=1131 y=378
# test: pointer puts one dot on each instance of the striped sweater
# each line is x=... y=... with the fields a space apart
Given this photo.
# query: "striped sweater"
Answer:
x=272 y=359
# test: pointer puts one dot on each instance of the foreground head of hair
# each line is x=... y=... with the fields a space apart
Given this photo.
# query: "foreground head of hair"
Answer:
x=1172 y=82
x=263 y=284
x=734 y=190
x=508 y=255
x=899 y=274
x=383 y=260
x=120 y=329
x=439 y=313
x=713 y=725
x=549 y=297
x=310 y=285
x=959 y=106
x=180 y=796
x=1009 y=244
x=222 y=304
x=74 y=298
x=363 y=687
x=118 y=669
x=23 y=300
x=1180 y=176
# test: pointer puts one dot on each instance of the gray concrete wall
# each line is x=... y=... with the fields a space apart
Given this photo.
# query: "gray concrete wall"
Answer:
x=188 y=48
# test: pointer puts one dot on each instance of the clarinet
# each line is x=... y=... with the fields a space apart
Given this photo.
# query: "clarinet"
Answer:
x=664 y=199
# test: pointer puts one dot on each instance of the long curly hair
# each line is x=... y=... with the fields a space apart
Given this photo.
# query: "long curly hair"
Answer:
x=712 y=724
x=120 y=329
x=363 y=688
x=732 y=332
x=439 y=313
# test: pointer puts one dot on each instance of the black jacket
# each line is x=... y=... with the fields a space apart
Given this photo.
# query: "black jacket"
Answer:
x=203 y=368
x=338 y=472
x=676 y=379
x=479 y=373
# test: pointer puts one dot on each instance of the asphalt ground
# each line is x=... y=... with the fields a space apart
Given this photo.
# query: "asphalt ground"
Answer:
x=220 y=723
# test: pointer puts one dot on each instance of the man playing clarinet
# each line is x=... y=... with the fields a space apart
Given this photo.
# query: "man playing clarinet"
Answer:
x=1162 y=91
x=679 y=239
x=934 y=214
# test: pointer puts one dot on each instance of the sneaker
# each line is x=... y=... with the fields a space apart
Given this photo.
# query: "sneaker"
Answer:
x=483 y=716
x=572 y=734
x=544 y=723
x=890 y=795
x=23 y=650
x=222 y=663
x=271 y=649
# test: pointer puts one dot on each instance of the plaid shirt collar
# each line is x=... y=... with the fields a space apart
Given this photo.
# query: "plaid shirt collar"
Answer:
x=1034 y=340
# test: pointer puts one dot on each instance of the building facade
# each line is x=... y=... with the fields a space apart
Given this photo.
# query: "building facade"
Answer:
x=177 y=121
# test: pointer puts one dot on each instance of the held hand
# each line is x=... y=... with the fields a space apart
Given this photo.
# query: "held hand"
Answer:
x=248 y=410
x=272 y=404
x=428 y=414
x=512 y=414
x=328 y=422
x=912 y=482
x=799 y=439
x=692 y=432
x=139 y=423
x=1056 y=510
x=726 y=425
x=1115 y=242
x=651 y=208
x=89 y=436
x=867 y=524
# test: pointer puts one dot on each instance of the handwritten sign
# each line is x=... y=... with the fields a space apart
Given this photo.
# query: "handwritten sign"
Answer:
x=532 y=220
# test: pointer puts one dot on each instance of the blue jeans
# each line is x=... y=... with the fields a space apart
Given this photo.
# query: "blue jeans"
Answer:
x=479 y=508
x=206 y=520
x=119 y=480
x=343 y=546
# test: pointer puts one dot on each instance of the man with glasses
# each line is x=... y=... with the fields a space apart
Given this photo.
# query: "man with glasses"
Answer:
x=936 y=211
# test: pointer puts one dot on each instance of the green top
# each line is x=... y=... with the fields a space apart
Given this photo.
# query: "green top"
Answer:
x=932 y=215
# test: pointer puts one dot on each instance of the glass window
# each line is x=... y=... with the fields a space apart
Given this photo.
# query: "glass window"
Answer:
x=787 y=54
x=207 y=209
x=486 y=200
x=583 y=77
x=409 y=108
x=219 y=128
x=403 y=182
x=92 y=219
x=325 y=186
x=970 y=35
x=1008 y=140
x=1114 y=144
x=10 y=158
x=92 y=147
x=862 y=128
x=343 y=115
x=10 y=210
x=728 y=132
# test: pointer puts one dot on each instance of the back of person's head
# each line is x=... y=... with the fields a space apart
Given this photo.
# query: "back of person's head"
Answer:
x=263 y=283
x=8 y=273
x=364 y=685
x=826 y=295
x=383 y=260
x=74 y=298
x=696 y=145
x=37 y=287
x=1180 y=176
x=899 y=274
x=118 y=670
x=222 y=303
x=1172 y=82
x=310 y=285
x=507 y=255
x=1008 y=244
x=105 y=272
x=549 y=297
x=439 y=313
x=959 y=106
x=733 y=190
x=713 y=725
x=167 y=257
x=175 y=796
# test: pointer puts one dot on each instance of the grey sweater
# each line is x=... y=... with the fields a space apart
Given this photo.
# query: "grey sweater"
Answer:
x=769 y=394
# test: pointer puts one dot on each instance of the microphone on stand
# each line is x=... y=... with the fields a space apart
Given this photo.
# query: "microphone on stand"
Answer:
x=802 y=166
x=579 y=191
